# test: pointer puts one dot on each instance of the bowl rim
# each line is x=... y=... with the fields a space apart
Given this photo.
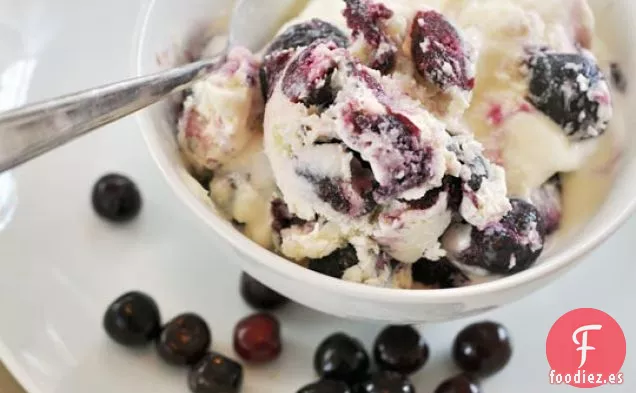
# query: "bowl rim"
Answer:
x=548 y=267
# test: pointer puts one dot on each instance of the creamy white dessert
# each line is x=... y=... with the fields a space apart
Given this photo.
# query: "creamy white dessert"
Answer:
x=404 y=143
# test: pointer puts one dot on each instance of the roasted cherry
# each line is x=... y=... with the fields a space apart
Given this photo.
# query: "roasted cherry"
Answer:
x=184 y=340
x=116 y=198
x=133 y=319
x=459 y=384
x=326 y=386
x=507 y=247
x=386 y=382
x=400 y=348
x=570 y=89
x=335 y=264
x=259 y=296
x=215 y=373
x=343 y=358
x=367 y=19
x=306 y=33
x=482 y=349
x=440 y=274
x=257 y=338
x=440 y=53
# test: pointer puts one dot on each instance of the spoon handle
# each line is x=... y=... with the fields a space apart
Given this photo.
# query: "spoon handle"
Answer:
x=30 y=131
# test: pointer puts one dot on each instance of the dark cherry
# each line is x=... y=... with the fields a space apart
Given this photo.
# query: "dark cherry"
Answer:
x=307 y=78
x=367 y=18
x=116 y=198
x=326 y=386
x=386 y=382
x=184 y=340
x=444 y=48
x=548 y=200
x=259 y=296
x=343 y=358
x=459 y=384
x=271 y=70
x=353 y=197
x=440 y=274
x=335 y=264
x=400 y=348
x=281 y=217
x=306 y=33
x=133 y=319
x=571 y=90
x=215 y=373
x=257 y=338
x=507 y=247
x=482 y=349
x=410 y=159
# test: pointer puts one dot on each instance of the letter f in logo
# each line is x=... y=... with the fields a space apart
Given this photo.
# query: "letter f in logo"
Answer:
x=583 y=344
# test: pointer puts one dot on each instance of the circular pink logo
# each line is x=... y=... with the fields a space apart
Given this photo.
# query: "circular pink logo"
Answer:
x=586 y=348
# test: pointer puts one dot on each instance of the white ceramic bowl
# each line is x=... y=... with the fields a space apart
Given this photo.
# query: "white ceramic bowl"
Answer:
x=164 y=32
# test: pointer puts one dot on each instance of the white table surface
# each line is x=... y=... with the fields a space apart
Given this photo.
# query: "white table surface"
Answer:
x=54 y=190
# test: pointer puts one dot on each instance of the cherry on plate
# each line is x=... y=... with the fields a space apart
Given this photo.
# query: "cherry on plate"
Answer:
x=259 y=296
x=326 y=386
x=215 y=373
x=116 y=198
x=306 y=33
x=133 y=319
x=386 y=382
x=510 y=246
x=400 y=348
x=459 y=384
x=571 y=90
x=184 y=340
x=342 y=358
x=257 y=338
x=482 y=349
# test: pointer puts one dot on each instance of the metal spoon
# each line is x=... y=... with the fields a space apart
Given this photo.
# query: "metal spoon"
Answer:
x=30 y=131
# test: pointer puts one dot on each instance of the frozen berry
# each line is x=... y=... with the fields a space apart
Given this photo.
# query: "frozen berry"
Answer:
x=116 y=198
x=367 y=19
x=507 y=247
x=400 y=348
x=458 y=384
x=440 y=274
x=326 y=386
x=386 y=382
x=440 y=53
x=548 y=200
x=184 y=340
x=571 y=90
x=482 y=349
x=133 y=319
x=271 y=70
x=342 y=358
x=259 y=296
x=281 y=217
x=215 y=373
x=308 y=75
x=335 y=264
x=257 y=338
x=306 y=33
x=399 y=158
x=354 y=197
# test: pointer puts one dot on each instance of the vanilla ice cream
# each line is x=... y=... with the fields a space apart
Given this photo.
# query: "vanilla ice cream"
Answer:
x=404 y=143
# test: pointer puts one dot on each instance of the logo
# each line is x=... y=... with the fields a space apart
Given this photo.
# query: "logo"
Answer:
x=586 y=348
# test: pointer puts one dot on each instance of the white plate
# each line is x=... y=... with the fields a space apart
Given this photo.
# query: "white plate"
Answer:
x=62 y=265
